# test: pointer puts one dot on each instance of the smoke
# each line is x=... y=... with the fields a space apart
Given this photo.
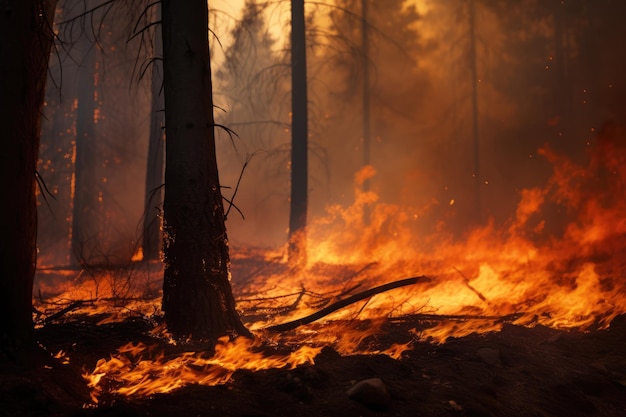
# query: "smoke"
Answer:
x=114 y=143
x=549 y=73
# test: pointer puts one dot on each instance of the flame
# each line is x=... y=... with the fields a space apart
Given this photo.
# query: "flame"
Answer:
x=554 y=270
x=138 y=255
x=142 y=372
x=62 y=357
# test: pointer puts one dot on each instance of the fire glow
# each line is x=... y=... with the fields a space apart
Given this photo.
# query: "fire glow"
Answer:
x=519 y=271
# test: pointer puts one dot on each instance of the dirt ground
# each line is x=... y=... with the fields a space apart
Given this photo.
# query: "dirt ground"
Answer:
x=518 y=371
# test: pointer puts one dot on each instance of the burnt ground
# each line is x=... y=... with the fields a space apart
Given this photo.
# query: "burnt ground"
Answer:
x=518 y=371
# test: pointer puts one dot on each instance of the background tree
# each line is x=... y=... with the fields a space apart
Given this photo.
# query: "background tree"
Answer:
x=252 y=87
x=398 y=125
x=56 y=157
x=197 y=296
x=92 y=154
x=87 y=204
x=28 y=24
x=299 y=141
x=156 y=145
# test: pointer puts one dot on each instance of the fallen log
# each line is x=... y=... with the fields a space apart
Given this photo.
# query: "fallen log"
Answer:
x=290 y=325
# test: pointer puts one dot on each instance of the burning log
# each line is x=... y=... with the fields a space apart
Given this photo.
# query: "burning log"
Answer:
x=345 y=302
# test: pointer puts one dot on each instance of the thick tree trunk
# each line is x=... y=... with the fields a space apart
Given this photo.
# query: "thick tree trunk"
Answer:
x=197 y=296
x=25 y=27
x=299 y=137
x=154 y=174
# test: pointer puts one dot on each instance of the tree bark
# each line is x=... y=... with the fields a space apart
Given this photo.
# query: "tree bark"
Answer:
x=299 y=137
x=85 y=202
x=154 y=173
x=197 y=296
x=25 y=27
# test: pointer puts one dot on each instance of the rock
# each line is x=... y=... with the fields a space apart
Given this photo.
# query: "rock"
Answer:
x=371 y=392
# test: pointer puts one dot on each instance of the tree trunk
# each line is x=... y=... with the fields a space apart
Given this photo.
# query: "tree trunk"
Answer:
x=366 y=89
x=299 y=137
x=197 y=296
x=154 y=173
x=85 y=208
x=25 y=27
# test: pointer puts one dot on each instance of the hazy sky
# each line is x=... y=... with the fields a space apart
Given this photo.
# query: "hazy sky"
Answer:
x=226 y=12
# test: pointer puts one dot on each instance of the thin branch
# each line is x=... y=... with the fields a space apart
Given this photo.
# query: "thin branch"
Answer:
x=228 y=130
x=146 y=65
x=231 y=204
x=44 y=190
x=85 y=13
x=144 y=13
x=146 y=27
x=232 y=199
x=474 y=290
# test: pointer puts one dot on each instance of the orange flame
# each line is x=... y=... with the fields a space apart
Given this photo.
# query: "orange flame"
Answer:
x=555 y=270
x=140 y=372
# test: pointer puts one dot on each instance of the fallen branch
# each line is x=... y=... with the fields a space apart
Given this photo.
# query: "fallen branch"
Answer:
x=345 y=302
x=75 y=305
x=461 y=317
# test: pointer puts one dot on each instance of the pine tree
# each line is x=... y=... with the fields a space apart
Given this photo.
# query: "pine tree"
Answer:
x=197 y=296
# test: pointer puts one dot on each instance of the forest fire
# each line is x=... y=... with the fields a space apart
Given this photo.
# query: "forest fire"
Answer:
x=518 y=274
x=339 y=208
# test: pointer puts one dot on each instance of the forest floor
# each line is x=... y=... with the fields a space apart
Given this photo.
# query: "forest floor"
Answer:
x=517 y=371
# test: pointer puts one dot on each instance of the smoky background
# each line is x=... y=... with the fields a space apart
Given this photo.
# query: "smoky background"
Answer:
x=454 y=134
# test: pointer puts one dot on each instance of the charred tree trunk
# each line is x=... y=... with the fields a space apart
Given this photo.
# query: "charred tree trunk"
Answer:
x=85 y=208
x=197 y=296
x=154 y=173
x=25 y=27
x=299 y=137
